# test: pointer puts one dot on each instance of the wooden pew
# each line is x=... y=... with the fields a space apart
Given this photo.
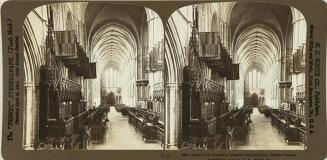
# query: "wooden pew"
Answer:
x=147 y=124
x=240 y=124
x=288 y=125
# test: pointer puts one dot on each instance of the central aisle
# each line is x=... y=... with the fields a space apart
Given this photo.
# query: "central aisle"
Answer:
x=120 y=135
x=263 y=136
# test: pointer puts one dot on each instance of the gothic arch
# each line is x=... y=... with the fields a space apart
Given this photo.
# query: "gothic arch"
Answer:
x=174 y=53
x=32 y=54
x=257 y=44
x=103 y=49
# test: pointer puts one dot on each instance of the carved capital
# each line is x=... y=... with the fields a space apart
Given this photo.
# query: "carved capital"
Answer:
x=285 y=84
x=142 y=82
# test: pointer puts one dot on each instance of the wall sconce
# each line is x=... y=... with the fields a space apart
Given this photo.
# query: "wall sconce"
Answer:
x=206 y=103
x=213 y=103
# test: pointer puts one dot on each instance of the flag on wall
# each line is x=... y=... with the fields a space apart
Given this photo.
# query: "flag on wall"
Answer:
x=65 y=43
x=234 y=72
x=209 y=44
x=299 y=60
x=157 y=57
x=92 y=71
x=296 y=61
x=302 y=57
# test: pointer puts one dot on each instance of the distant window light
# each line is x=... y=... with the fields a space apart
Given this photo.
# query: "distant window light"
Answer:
x=254 y=77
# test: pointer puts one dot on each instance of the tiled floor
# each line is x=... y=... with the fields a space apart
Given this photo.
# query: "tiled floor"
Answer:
x=263 y=136
x=120 y=135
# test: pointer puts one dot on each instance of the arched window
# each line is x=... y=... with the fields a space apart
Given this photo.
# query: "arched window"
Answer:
x=254 y=78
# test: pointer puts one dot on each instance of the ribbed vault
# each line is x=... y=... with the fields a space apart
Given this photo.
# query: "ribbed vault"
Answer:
x=114 y=34
x=257 y=46
x=258 y=34
x=113 y=44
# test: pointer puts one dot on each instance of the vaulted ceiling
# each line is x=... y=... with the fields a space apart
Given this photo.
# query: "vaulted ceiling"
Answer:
x=113 y=33
x=258 y=33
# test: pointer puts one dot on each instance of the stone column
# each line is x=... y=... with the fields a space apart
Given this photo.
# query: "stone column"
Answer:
x=285 y=88
x=141 y=86
x=283 y=64
x=30 y=115
x=90 y=94
x=140 y=75
x=173 y=117
x=288 y=60
x=278 y=69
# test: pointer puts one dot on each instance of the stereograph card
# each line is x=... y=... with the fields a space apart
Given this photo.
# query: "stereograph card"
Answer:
x=206 y=80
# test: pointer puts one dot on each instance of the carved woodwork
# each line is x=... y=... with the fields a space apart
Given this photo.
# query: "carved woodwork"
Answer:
x=289 y=125
x=204 y=109
x=62 y=108
x=72 y=54
x=147 y=123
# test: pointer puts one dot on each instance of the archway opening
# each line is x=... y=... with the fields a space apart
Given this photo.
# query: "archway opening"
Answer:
x=254 y=100
x=111 y=98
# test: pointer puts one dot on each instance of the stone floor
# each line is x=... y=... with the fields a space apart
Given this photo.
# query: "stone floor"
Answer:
x=120 y=135
x=263 y=136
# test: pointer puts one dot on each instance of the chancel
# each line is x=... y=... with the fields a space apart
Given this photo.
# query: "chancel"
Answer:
x=236 y=77
x=93 y=77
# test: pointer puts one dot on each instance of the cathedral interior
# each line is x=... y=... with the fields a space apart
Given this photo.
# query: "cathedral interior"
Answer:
x=237 y=77
x=87 y=67
x=214 y=76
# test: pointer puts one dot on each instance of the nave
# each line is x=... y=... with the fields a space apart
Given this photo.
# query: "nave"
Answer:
x=193 y=84
x=231 y=60
x=262 y=136
x=80 y=58
x=118 y=128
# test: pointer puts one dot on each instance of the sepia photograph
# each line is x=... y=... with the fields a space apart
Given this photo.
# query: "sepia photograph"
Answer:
x=94 y=77
x=209 y=80
x=227 y=75
x=236 y=77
